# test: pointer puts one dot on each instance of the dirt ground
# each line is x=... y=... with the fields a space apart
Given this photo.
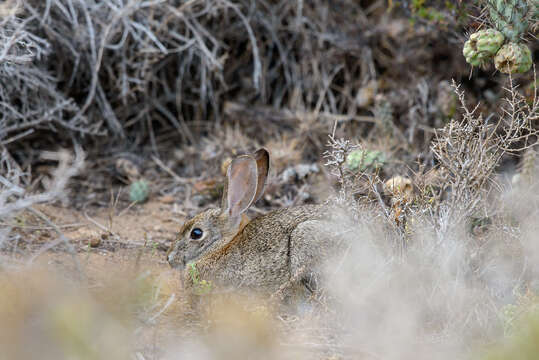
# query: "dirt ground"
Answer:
x=108 y=240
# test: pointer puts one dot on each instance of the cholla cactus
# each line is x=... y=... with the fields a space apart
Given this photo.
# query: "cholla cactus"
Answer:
x=139 y=191
x=482 y=46
x=363 y=160
x=510 y=17
x=513 y=58
x=511 y=20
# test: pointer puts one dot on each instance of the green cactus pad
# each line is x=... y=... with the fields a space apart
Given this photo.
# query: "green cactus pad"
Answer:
x=473 y=57
x=488 y=41
x=482 y=45
x=139 y=191
x=365 y=159
x=513 y=58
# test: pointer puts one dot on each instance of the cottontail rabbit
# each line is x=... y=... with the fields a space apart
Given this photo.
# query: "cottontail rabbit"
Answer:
x=273 y=252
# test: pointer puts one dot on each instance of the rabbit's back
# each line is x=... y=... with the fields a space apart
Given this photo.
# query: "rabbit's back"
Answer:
x=260 y=255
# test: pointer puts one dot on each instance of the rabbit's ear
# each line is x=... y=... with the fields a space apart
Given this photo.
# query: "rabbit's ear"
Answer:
x=262 y=164
x=241 y=185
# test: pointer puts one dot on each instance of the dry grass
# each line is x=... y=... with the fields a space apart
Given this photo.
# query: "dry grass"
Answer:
x=133 y=68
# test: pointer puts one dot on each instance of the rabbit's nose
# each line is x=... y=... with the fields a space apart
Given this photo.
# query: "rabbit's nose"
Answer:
x=175 y=261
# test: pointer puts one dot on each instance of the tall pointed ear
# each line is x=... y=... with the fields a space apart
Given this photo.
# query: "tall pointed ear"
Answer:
x=242 y=176
x=262 y=164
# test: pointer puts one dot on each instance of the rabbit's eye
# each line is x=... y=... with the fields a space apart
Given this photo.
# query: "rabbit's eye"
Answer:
x=196 y=234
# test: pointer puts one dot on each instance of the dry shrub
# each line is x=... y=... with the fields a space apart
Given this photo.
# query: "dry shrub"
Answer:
x=134 y=68
x=470 y=150
x=440 y=299
x=16 y=194
x=29 y=95
x=443 y=293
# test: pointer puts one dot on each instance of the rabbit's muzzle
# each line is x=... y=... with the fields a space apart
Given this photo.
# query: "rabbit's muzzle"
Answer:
x=175 y=260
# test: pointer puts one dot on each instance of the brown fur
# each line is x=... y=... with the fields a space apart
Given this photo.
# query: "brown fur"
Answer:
x=262 y=255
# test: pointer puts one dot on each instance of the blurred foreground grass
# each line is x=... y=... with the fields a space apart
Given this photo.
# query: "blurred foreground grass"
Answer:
x=523 y=344
x=45 y=317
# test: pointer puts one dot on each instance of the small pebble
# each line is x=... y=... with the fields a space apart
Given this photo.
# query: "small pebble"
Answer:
x=95 y=241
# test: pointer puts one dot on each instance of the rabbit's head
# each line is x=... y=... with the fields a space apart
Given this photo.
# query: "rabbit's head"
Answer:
x=214 y=228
